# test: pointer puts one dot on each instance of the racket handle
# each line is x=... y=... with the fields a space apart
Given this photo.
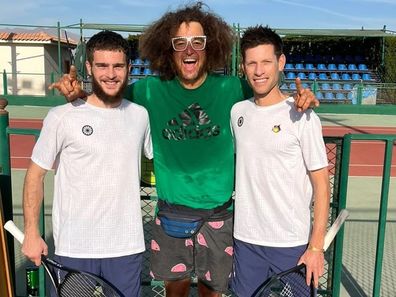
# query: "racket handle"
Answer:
x=334 y=228
x=14 y=230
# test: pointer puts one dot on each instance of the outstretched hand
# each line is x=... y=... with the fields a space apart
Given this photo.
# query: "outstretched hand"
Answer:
x=69 y=86
x=304 y=98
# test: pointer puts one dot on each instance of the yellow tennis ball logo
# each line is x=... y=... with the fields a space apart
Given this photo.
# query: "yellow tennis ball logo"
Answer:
x=276 y=128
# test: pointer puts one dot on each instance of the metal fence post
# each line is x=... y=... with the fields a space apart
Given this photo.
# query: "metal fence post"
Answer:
x=5 y=178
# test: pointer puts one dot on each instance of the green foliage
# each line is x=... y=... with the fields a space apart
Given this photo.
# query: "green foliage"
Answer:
x=133 y=41
x=389 y=68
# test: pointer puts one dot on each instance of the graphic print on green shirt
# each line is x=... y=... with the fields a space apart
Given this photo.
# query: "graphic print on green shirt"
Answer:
x=191 y=123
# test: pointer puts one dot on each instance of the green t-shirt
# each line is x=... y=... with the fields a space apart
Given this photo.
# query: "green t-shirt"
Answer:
x=192 y=140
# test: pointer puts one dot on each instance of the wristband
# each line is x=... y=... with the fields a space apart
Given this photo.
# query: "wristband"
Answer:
x=315 y=249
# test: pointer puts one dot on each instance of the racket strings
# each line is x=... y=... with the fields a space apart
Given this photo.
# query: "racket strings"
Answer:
x=79 y=284
x=289 y=285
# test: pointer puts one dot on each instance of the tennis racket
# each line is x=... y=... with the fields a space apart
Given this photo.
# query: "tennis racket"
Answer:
x=75 y=283
x=291 y=283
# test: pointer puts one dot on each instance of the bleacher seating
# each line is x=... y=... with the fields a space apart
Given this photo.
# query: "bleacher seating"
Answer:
x=312 y=76
x=140 y=69
x=325 y=86
x=291 y=75
x=322 y=76
x=332 y=67
x=301 y=75
x=332 y=77
x=329 y=96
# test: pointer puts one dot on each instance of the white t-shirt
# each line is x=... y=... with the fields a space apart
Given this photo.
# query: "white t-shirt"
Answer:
x=96 y=155
x=276 y=147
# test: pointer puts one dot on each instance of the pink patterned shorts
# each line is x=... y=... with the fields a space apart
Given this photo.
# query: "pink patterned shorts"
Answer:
x=207 y=255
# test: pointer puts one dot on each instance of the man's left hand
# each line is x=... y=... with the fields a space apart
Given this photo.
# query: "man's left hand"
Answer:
x=304 y=98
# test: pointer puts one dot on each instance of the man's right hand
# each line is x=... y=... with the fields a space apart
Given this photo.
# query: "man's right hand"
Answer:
x=69 y=86
x=33 y=247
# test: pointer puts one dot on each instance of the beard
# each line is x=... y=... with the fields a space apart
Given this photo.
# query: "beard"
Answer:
x=103 y=96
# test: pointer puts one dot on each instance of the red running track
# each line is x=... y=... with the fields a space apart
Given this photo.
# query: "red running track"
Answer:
x=366 y=156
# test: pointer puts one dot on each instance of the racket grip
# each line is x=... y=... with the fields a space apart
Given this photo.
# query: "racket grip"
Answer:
x=14 y=230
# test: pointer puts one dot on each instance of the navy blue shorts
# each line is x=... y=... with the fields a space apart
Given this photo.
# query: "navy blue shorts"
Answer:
x=253 y=264
x=124 y=273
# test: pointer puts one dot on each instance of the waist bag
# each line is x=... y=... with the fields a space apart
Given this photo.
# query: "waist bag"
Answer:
x=183 y=222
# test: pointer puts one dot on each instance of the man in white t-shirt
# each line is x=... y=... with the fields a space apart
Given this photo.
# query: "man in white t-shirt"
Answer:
x=95 y=148
x=281 y=170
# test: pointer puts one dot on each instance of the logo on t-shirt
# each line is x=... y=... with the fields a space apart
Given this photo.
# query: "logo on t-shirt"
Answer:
x=276 y=128
x=87 y=130
x=240 y=121
x=191 y=123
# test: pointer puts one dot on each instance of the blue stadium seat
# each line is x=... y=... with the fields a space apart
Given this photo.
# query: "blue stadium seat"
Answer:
x=336 y=86
x=329 y=96
x=322 y=76
x=146 y=63
x=322 y=67
x=347 y=86
x=352 y=67
x=325 y=87
x=292 y=86
x=299 y=66
x=147 y=71
x=283 y=87
x=345 y=76
x=312 y=76
x=334 y=76
x=302 y=75
x=342 y=67
x=290 y=75
x=319 y=95
x=289 y=66
x=362 y=67
x=340 y=96
x=366 y=76
x=135 y=71
x=305 y=85
x=138 y=62
x=332 y=67
x=356 y=76
x=309 y=66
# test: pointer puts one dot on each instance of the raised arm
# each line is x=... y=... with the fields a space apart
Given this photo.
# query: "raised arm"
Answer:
x=69 y=86
x=33 y=245
x=313 y=256
x=304 y=98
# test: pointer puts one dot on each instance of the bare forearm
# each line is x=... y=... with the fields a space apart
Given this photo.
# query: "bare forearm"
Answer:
x=321 y=207
x=32 y=198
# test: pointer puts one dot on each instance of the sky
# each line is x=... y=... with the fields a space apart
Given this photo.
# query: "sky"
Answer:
x=285 y=14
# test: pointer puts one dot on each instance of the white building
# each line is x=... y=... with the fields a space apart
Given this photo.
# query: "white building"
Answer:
x=30 y=59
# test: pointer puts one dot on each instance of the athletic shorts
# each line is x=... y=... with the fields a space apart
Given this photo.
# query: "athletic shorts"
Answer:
x=254 y=264
x=124 y=273
x=207 y=255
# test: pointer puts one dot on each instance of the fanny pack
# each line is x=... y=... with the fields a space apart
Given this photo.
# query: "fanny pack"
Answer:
x=183 y=222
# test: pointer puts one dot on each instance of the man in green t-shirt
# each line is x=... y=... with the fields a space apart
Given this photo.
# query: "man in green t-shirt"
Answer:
x=189 y=109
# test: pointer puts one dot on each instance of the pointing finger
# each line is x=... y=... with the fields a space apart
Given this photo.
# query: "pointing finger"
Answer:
x=298 y=85
x=73 y=72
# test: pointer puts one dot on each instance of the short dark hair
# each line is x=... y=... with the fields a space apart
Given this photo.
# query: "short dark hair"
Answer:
x=155 y=42
x=258 y=35
x=106 y=40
